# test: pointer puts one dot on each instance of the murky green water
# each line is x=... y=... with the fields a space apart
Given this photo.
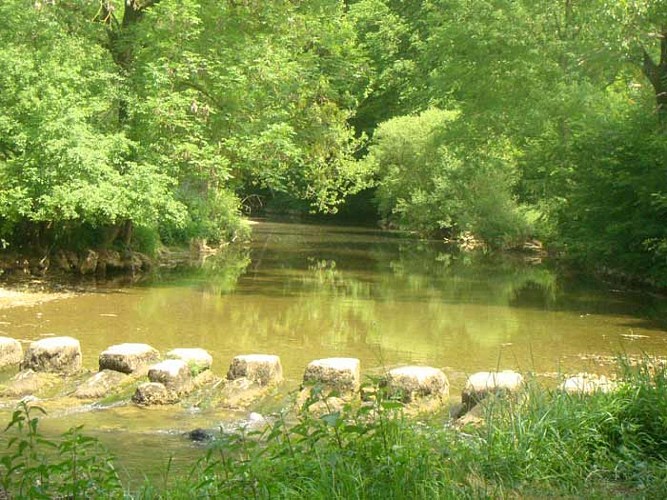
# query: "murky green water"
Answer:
x=306 y=292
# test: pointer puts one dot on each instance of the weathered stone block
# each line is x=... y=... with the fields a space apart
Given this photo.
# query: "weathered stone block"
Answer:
x=55 y=354
x=11 y=352
x=262 y=369
x=197 y=359
x=174 y=374
x=100 y=385
x=416 y=382
x=340 y=374
x=587 y=383
x=128 y=358
x=481 y=384
x=153 y=393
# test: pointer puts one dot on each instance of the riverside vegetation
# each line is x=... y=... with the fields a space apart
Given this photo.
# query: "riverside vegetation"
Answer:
x=547 y=443
x=125 y=125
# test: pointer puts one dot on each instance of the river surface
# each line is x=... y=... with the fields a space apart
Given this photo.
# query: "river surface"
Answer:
x=305 y=292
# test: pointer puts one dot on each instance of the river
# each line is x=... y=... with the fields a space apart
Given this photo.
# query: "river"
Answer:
x=305 y=292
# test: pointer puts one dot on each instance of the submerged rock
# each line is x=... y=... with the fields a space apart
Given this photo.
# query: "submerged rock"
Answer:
x=199 y=435
x=29 y=382
x=174 y=374
x=197 y=359
x=55 y=354
x=412 y=383
x=128 y=358
x=262 y=369
x=482 y=384
x=337 y=374
x=100 y=385
x=11 y=352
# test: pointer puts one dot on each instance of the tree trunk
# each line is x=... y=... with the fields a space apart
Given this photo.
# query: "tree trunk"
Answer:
x=656 y=72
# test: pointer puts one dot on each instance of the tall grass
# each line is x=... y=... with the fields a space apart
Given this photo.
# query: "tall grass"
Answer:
x=546 y=443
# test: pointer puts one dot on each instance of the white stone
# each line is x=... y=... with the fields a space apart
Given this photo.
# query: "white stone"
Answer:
x=55 y=354
x=197 y=359
x=481 y=384
x=415 y=382
x=263 y=369
x=586 y=383
x=11 y=352
x=174 y=374
x=127 y=358
x=342 y=374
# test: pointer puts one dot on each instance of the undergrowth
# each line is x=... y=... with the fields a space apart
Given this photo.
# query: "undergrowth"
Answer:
x=546 y=443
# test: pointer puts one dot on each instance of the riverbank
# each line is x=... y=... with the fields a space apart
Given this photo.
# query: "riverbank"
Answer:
x=543 y=444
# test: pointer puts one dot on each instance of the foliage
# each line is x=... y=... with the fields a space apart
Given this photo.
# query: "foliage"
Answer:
x=428 y=184
x=612 y=210
x=75 y=466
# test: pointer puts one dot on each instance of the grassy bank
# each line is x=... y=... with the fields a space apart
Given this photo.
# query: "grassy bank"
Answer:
x=546 y=444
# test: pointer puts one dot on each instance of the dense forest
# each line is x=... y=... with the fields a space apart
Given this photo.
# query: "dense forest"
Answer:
x=124 y=124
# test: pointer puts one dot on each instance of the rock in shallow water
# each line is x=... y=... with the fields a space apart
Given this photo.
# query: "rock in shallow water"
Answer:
x=338 y=374
x=197 y=359
x=587 y=383
x=174 y=374
x=262 y=369
x=128 y=358
x=11 y=352
x=417 y=382
x=482 y=384
x=153 y=393
x=55 y=355
x=100 y=385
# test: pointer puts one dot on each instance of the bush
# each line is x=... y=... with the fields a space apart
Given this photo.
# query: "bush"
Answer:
x=432 y=183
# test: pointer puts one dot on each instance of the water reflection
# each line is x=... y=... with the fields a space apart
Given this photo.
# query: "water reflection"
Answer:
x=305 y=292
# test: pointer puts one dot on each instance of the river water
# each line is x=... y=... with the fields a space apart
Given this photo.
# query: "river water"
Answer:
x=305 y=292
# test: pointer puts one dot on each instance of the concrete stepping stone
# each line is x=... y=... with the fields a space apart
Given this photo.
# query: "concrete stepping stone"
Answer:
x=128 y=358
x=340 y=374
x=197 y=359
x=174 y=374
x=482 y=384
x=11 y=352
x=417 y=382
x=55 y=355
x=262 y=369
x=587 y=383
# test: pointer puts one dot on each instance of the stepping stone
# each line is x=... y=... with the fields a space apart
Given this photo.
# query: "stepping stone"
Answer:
x=587 y=383
x=11 y=352
x=55 y=354
x=128 y=358
x=341 y=374
x=262 y=369
x=416 y=382
x=153 y=393
x=482 y=384
x=174 y=374
x=197 y=359
x=100 y=384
